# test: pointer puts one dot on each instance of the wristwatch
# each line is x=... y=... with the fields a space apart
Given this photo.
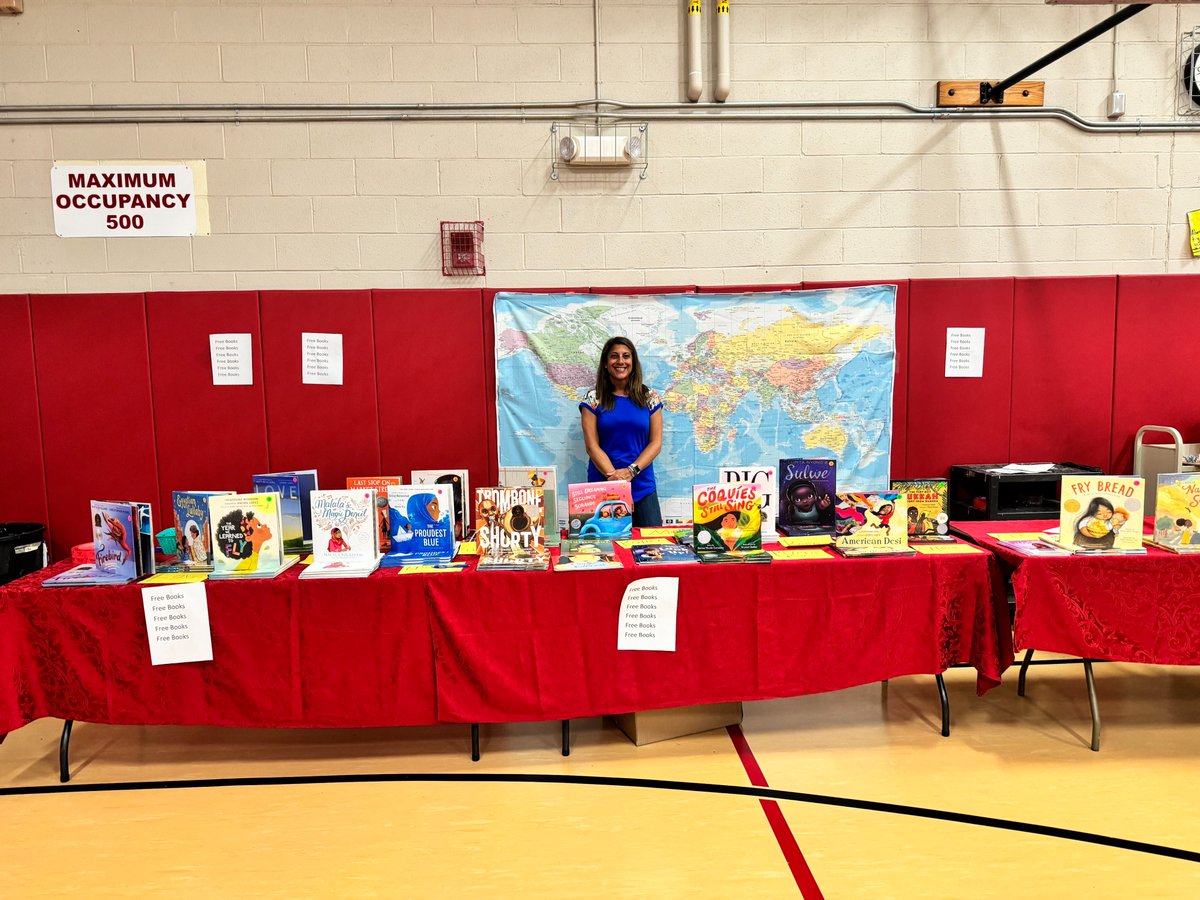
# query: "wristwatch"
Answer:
x=634 y=469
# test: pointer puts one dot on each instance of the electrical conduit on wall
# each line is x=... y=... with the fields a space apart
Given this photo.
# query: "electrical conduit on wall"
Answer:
x=721 y=66
x=695 y=75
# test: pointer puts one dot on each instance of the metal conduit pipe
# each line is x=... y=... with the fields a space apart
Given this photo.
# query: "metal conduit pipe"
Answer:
x=695 y=73
x=579 y=111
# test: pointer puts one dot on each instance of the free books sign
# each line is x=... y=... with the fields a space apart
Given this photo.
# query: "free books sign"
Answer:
x=127 y=200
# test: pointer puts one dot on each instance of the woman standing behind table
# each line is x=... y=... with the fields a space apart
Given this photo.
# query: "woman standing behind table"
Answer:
x=622 y=428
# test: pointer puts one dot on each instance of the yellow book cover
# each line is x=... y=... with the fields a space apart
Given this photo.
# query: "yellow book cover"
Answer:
x=926 y=510
x=868 y=524
x=1101 y=512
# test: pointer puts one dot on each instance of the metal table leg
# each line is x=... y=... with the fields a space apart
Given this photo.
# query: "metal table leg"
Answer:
x=945 y=699
x=1091 y=689
x=474 y=742
x=64 y=752
x=566 y=737
x=1024 y=669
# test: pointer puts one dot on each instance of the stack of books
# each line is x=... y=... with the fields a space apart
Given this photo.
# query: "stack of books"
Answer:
x=345 y=530
x=510 y=528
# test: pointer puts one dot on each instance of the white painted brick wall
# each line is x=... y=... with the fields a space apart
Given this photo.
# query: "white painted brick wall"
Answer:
x=357 y=204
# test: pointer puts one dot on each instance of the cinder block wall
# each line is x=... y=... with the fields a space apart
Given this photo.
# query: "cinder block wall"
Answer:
x=321 y=205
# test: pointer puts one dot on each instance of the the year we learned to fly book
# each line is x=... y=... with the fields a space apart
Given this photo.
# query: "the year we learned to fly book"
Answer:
x=247 y=536
x=1100 y=514
x=345 y=533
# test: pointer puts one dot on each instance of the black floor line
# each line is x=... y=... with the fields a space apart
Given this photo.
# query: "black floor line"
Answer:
x=652 y=783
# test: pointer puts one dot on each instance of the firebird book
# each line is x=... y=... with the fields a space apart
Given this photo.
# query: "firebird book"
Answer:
x=1100 y=514
x=460 y=483
x=764 y=476
x=421 y=525
x=379 y=484
x=545 y=477
x=115 y=534
x=193 y=535
x=345 y=534
x=870 y=524
x=294 y=489
x=927 y=516
x=511 y=528
x=246 y=536
x=806 y=489
x=600 y=510
x=1177 y=513
x=727 y=522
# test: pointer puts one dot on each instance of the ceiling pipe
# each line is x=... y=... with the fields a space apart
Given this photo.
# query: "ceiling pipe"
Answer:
x=721 y=66
x=695 y=72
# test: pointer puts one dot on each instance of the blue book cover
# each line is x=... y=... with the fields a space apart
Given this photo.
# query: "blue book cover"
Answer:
x=193 y=537
x=115 y=538
x=295 y=504
x=420 y=525
x=807 y=488
x=663 y=554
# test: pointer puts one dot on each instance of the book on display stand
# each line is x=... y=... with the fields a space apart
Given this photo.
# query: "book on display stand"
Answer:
x=247 y=536
x=870 y=524
x=345 y=532
x=727 y=523
x=510 y=529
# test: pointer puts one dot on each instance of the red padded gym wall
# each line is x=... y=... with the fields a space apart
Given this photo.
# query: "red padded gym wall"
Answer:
x=93 y=376
x=958 y=420
x=745 y=288
x=432 y=385
x=1151 y=311
x=1062 y=380
x=899 y=455
x=649 y=289
x=23 y=484
x=331 y=428
x=210 y=437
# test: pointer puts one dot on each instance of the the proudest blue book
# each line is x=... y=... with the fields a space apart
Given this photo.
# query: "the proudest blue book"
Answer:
x=420 y=525
x=294 y=490
x=806 y=496
x=193 y=537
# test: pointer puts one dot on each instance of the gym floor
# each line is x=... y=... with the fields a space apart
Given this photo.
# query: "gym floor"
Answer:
x=849 y=794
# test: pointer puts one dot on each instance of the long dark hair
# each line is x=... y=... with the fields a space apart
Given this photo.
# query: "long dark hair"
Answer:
x=634 y=389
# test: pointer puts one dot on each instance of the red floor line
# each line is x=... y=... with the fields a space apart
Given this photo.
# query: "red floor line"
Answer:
x=775 y=818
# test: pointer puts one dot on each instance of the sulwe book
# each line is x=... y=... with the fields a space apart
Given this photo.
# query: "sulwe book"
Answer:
x=927 y=514
x=510 y=529
x=546 y=478
x=870 y=524
x=581 y=555
x=379 y=484
x=1100 y=514
x=727 y=523
x=1177 y=512
x=421 y=525
x=460 y=484
x=764 y=477
x=193 y=536
x=294 y=490
x=806 y=496
x=345 y=531
x=600 y=509
x=247 y=536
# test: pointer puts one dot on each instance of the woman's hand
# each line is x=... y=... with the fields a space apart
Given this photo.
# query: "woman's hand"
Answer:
x=621 y=475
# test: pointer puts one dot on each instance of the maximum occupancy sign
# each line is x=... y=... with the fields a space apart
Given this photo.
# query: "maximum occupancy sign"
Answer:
x=745 y=379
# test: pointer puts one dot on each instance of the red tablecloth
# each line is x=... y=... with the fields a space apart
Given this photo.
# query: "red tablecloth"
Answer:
x=544 y=646
x=1143 y=609
x=286 y=652
x=509 y=646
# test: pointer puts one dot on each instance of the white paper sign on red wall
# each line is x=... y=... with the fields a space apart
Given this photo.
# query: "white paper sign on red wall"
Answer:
x=124 y=200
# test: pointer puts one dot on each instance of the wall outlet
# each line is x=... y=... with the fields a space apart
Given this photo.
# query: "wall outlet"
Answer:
x=1116 y=104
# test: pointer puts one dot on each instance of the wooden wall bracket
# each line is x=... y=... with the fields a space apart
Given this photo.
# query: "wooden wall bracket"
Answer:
x=966 y=93
x=12 y=7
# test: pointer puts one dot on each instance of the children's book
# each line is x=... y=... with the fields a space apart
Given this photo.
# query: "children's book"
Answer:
x=927 y=512
x=663 y=555
x=1035 y=547
x=764 y=477
x=545 y=477
x=1100 y=514
x=145 y=538
x=870 y=524
x=246 y=536
x=577 y=555
x=510 y=525
x=345 y=531
x=460 y=484
x=600 y=509
x=294 y=489
x=116 y=534
x=86 y=575
x=421 y=525
x=379 y=484
x=736 y=556
x=1177 y=512
x=193 y=536
x=726 y=521
x=806 y=496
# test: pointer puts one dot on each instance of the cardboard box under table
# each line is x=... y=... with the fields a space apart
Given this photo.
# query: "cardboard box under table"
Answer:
x=655 y=725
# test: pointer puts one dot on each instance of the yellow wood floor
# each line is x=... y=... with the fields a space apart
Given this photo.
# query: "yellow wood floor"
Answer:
x=1024 y=760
